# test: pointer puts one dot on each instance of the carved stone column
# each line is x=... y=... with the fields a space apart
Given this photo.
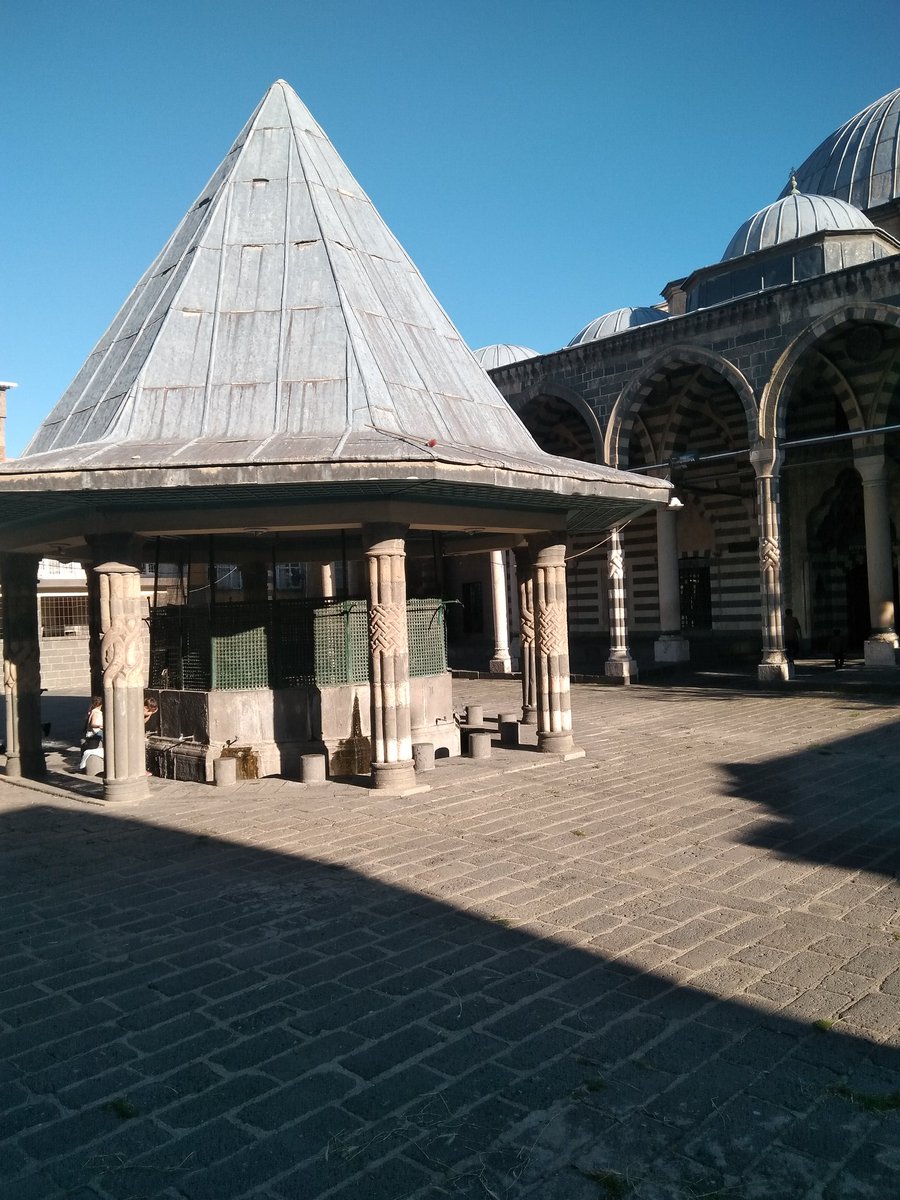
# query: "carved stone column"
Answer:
x=501 y=663
x=554 y=709
x=22 y=666
x=122 y=655
x=392 y=760
x=525 y=583
x=882 y=640
x=671 y=646
x=620 y=665
x=775 y=664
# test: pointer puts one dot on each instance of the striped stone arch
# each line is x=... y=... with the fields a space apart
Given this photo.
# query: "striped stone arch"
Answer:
x=557 y=391
x=773 y=408
x=633 y=395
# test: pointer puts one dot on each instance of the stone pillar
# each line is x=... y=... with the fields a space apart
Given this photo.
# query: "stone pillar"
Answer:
x=501 y=663
x=671 y=646
x=620 y=665
x=775 y=664
x=554 y=710
x=525 y=582
x=882 y=640
x=95 y=662
x=22 y=666
x=255 y=581
x=392 y=757
x=122 y=653
x=356 y=584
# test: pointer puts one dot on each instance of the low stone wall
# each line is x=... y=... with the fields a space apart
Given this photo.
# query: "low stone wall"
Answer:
x=65 y=665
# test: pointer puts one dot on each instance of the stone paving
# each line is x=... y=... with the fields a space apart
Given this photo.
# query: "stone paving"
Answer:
x=668 y=970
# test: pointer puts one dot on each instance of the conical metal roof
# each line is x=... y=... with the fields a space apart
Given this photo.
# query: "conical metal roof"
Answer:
x=282 y=321
x=284 y=350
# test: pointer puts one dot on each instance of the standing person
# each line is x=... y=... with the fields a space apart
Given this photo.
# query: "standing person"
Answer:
x=836 y=648
x=791 y=634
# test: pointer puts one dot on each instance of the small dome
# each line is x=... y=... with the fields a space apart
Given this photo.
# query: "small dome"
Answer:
x=617 y=321
x=858 y=162
x=501 y=355
x=794 y=216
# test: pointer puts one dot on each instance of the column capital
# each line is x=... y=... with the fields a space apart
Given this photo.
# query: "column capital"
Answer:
x=871 y=465
x=766 y=459
x=384 y=537
x=121 y=547
x=547 y=549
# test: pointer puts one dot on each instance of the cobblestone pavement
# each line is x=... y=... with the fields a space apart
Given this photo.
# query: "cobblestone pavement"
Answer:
x=668 y=970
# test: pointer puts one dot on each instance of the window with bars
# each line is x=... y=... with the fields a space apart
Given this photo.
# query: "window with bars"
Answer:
x=696 y=596
x=63 y=616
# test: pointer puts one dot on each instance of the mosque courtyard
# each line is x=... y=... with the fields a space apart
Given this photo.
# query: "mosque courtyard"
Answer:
x=667 y=970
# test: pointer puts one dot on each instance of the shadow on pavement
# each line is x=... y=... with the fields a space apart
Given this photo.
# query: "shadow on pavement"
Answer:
x=190 y=1017
x=837 y=803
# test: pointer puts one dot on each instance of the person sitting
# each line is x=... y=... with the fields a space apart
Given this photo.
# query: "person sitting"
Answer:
x=92 y=758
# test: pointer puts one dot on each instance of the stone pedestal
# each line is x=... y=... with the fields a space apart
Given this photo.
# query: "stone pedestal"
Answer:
x=553 y=703
x=21 y=666
x=619 y=665
x=880 y=650
x=122 y=657
x=393 y=768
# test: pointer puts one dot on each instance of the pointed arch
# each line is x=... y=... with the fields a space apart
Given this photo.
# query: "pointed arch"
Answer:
x=558 y=391
x=654 y=373
x=773 y=407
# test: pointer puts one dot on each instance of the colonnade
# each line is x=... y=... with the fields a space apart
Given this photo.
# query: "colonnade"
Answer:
x=671 y=646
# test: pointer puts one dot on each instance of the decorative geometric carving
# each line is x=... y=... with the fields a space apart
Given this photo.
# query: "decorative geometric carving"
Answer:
x=387 y=628
x=616 y=561
x=526 y=626
x=769 y=554
x=552 y=629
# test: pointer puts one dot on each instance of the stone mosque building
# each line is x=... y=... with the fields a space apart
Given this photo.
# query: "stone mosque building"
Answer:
x=766 y=386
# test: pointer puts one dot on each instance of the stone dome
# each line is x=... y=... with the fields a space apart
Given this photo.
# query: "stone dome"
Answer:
x=501 y=354
x=794 y=216
x=618 y=321
x=860 y=162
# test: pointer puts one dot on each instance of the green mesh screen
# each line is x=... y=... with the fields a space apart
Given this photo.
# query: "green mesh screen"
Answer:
x=285 y=643
x=240 y=645
x=342 y=644
x=427 y=637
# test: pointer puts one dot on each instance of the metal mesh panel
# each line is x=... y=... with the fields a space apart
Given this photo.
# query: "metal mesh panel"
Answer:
x=342 y=643
x=293 y=650
x=286 y=643
x=180 y=648
x=240 y=645
x=427 y=637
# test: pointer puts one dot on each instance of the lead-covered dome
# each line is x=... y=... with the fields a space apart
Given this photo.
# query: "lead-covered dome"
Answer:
x=860 y=162
x=501 y=354
x=618 y=321
x=794 y=216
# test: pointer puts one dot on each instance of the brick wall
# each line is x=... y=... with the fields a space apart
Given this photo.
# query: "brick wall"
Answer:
x=64 y=663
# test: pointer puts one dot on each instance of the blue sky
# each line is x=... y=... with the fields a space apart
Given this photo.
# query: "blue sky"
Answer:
x=542 y=162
